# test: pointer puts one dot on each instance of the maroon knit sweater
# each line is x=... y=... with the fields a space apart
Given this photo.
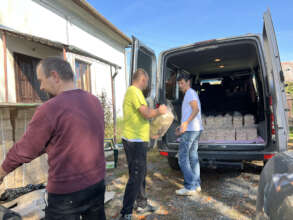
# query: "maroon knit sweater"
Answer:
x=70 y=129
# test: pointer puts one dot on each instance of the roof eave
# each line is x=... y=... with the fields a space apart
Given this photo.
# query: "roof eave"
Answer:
x=86 y=6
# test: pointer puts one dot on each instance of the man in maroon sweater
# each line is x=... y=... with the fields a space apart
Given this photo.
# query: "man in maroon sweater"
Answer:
x=70 y=129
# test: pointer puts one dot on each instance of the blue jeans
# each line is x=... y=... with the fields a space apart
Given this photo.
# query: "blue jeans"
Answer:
x=188 y=159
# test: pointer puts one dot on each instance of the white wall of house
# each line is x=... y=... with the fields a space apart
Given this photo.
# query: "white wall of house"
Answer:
x=67 y=23
x=288 y=71
x=101 y=79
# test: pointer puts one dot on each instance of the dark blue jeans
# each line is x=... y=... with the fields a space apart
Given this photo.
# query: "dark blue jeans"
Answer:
x=188 y=159
x=136 y=155
x=87 y=203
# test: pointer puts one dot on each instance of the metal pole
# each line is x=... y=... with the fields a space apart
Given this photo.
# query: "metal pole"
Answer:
x=113 y=102
x=5 y=64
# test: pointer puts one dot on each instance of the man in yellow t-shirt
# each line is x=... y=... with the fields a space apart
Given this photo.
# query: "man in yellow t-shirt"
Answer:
x=135 y=138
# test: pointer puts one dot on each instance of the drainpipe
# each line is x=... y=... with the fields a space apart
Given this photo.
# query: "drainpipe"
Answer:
x=5 y=64
x=113 y=75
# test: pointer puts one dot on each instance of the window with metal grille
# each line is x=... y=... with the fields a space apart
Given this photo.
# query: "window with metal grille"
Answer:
x=83 y=75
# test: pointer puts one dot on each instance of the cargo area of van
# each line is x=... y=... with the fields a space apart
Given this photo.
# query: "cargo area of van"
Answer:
x=229 y=79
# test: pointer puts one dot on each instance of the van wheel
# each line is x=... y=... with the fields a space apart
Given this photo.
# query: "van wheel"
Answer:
x=173 y=163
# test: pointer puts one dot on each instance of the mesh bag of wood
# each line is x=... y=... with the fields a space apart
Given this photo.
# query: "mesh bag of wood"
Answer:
x=251 y=133
x=248 y=120
x=218 y=121
x=203 y=120
x=211 y=134
x=161 y=124
x=219 y=135
x=241 y=134
x=227 y=121
x=204 y=136
x=237 y=121
x=229 y=134
x=210 y=121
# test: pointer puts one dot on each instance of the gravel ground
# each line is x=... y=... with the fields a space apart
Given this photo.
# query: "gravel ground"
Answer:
x=226 y=194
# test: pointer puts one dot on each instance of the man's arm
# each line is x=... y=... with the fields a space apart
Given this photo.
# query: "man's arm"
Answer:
x=149 y=113
x=2 y=175
x=194 y=106
x=30 y=146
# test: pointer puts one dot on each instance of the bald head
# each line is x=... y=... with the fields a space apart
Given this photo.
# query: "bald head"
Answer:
x=139 y=73
x=140 y=79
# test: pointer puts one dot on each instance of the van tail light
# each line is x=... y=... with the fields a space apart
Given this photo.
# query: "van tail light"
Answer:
x=272 y=118
x=163 y=153
x=268 y=156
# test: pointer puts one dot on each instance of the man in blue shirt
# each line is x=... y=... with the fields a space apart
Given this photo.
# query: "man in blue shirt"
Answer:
x=190 y=130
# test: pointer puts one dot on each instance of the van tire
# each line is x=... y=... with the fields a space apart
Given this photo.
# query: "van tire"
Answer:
x=173 y=163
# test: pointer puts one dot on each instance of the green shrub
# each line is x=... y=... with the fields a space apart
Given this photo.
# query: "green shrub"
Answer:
x=289 y=88
x=108 y=118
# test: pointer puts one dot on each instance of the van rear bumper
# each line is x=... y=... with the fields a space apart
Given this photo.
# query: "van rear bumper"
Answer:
x=228 y=155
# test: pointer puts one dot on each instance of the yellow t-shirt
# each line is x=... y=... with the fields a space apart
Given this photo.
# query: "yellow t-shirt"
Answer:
x=135 y=126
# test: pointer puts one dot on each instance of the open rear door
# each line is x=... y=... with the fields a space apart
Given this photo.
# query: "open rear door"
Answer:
x=276 y=82
x=145 y=58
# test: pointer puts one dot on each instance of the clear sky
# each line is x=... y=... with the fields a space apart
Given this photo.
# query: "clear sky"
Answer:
x=163 y=24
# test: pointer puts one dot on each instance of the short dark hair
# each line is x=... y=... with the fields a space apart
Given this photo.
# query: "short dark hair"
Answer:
x=184 y=76
x=58 y=64
x=139 y=72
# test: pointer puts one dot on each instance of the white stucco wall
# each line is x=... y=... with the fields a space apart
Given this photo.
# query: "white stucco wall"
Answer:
x=65 y=22
x=287 y=68
x=101 y=79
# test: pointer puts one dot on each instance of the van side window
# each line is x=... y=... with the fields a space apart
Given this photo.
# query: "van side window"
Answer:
x=145 y=62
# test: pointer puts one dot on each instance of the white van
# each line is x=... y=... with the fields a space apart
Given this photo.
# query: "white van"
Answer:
x=237 y=79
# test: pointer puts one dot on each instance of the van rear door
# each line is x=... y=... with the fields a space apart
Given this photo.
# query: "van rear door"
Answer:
x=276 y=82
x=145 y=58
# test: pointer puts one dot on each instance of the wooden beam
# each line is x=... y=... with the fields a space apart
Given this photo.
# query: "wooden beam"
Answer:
x=5 y=64
x=64 y=53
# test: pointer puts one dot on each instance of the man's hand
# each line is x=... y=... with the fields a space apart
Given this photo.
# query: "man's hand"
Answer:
x=155 y=137
x=149 y=113
x=162 y=109
x=183 y=127
x=177 y=131
x=2 y=175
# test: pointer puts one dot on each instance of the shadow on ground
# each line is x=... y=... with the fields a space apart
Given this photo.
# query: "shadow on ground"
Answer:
x=226 y=194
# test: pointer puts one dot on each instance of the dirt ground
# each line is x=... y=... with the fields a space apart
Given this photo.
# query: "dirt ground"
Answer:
x=226 y=194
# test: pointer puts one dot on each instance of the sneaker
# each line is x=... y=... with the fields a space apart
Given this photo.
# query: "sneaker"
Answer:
x=185 y=192
x=126 y=217
x=198 y=189
x=148 y=209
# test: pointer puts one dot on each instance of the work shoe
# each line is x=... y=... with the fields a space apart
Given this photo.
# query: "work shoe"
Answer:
x=126 y=217
x=148 y=209
x=186 y=192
